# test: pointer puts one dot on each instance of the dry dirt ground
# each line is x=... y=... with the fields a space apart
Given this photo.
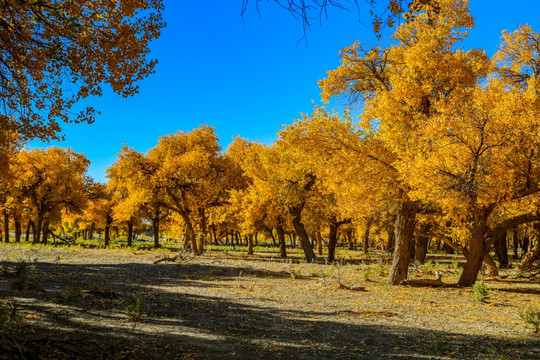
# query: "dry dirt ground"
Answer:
x=229 y=306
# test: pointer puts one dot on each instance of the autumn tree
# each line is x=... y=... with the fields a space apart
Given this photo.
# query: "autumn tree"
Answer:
x=255 y=205
x=100 y=208
x=54 y=54
x=192 y=177
x=51 y=180
x=401 y=87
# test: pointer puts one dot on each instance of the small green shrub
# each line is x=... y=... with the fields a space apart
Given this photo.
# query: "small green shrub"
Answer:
x=531 y=317
x=136 y=309
x=480 y=291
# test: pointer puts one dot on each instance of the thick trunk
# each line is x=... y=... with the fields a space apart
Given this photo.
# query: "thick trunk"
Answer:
x=491 y=266
x=303 y=237
x=369 y=221
x=191 y=236
x=282 y=244
x=130 y=233
x=477 y=252
x=332 y=241
x=6 y=226
x=404 y=230
x=37 y=233
x=421 y=244
x=501 y=250
x=46 y=232
x=91 y=231
x=250 y=244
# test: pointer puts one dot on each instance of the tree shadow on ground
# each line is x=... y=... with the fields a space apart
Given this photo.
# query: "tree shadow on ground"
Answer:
x=180 y=325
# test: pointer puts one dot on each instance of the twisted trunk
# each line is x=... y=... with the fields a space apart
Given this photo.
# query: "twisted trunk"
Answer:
x=403 y=232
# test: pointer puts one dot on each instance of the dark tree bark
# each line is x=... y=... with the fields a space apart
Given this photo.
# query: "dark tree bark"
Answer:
x=525 y=248
x=515 y=244
x=391 y=238
x=421 y=244
x=91 y=231
x=501 y=250
x=477 y=251
x=332 y=240
x=300 y=230
x=155 y=228
x=281 y=239
x=250 y=244
x=369 y=222
x=271 y=232
x=130 y=232
x=6 y=226
x=37 y=234
x=404 y=230
x=46 y=231
x=18 y=229
x=319 y=243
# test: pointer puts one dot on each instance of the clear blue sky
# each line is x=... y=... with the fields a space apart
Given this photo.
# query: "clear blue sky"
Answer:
x=246 y=78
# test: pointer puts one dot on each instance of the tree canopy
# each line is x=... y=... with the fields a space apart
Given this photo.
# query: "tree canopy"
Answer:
x=54 y=54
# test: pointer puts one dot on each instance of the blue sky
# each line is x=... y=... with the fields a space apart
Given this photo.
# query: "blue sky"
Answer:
x=244 y=78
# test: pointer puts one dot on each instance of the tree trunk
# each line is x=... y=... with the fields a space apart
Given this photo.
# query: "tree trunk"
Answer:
x=202 y=233
x=332 y=241
x=282 y=244
x=27 y=237
x=303 y=237
x=190 y=232
x=477 y=252
x=6 y=226
x=130 y=232
x=155 y=228
x=391 y=238
x=91 y=231
x=108 y=223
x=319 y=243
x=250 y=244
x=491 y=265
x=404 y=230
x=369 y=221
x=501 y=250
x=525 y=248
x=515 y=244
x=421 y=246
x=37 y=233
x=46 y=231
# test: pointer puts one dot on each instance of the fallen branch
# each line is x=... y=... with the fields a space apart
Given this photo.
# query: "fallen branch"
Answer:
x=170 y=258
x=425 y=282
